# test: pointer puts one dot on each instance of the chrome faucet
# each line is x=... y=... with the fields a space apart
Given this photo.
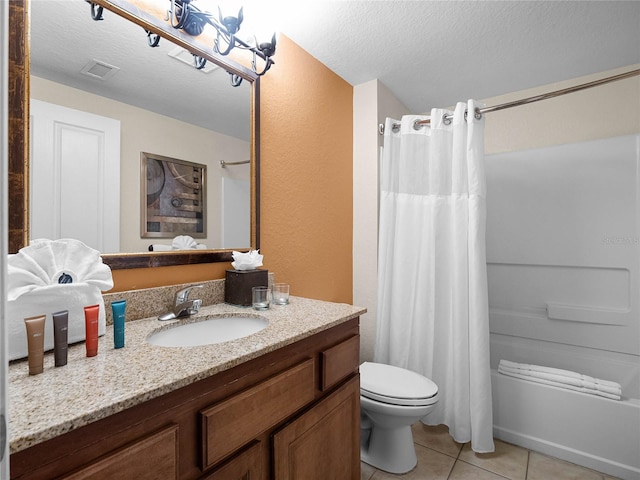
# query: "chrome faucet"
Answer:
x=182 y=306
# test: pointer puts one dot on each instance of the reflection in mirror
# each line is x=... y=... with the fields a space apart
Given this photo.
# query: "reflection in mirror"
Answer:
x=163 y=105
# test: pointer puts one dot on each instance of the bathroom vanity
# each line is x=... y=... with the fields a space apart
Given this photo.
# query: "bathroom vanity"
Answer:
x=282 y=403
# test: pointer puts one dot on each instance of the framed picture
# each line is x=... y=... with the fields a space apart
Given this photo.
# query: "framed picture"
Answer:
x=173 y=198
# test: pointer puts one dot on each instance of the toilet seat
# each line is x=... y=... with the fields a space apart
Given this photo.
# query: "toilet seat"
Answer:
x=396 y=386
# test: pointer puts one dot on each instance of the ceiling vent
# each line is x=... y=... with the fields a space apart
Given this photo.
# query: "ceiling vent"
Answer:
x=99 y=70
x=186 y=57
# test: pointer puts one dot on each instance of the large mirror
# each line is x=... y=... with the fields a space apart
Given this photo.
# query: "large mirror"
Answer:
x=161 y=105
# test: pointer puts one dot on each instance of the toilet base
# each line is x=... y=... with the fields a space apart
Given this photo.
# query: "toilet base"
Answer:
x=390 y=449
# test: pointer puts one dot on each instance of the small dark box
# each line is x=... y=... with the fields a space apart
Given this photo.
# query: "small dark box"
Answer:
x=238 y=285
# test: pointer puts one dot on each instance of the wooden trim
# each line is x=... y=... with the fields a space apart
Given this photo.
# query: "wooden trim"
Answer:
x=120 y=261
x=18 y=128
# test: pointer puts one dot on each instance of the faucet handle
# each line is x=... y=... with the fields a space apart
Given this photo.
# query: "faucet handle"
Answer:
x=183 y=295
x=195 y=307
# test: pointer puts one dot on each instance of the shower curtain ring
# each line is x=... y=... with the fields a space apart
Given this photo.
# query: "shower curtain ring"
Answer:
x=417 y=125
x=446 y=119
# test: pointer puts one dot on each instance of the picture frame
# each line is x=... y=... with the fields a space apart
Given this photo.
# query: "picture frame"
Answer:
x=173 y=197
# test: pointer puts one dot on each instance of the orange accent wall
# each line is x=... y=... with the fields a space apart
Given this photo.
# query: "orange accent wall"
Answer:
x=306 y=178
x=306 y=162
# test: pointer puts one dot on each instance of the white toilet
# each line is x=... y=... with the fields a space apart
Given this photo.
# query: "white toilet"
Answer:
x=391 y=400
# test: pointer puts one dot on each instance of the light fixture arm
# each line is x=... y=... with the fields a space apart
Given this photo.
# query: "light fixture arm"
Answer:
x=192 y=20
x=96 y=12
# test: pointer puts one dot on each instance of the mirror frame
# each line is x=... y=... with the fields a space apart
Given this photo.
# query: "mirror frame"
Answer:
x=18 y=103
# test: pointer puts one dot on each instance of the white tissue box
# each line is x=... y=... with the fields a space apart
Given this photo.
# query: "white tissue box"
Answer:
x=46 y=301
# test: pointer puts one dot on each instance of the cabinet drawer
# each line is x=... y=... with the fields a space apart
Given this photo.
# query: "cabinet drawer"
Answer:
x=152 y=457
x=340 y=361
x=231 y=423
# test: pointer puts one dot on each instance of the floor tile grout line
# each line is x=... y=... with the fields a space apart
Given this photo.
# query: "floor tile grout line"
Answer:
x=484 y=469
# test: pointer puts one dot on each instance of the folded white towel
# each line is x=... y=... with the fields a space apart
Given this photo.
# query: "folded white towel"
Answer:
x=557 y=371
x=49 y=276
x=560 y=385
x=181 y=242
x=577 y=382
x=560 y=377
x=158 y=247
x=53 y=262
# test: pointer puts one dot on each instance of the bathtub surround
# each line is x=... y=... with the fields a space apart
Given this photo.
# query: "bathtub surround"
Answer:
x=564 y=295
x=432 y=312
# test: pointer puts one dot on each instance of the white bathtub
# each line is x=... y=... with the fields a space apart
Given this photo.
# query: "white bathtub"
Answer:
x=588 y=430
x=563 y=264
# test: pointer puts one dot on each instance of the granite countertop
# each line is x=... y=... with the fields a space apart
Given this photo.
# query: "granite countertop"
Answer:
x=61 y=399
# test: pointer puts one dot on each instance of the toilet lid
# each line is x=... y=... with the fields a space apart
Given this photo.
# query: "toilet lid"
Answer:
x=395 y=385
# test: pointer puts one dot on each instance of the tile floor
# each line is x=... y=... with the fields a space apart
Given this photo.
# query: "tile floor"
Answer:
x=440 y=458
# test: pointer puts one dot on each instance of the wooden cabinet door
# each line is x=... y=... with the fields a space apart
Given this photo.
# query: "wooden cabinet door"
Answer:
x=150 y=458
x=324 y=442
x=244 y=466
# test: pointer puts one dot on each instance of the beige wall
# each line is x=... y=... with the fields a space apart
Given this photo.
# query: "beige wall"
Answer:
x=372 y=103
x=600 y=112
x=145 y=131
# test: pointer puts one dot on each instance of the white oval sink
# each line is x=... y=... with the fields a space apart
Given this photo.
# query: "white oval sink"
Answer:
x=208 y=332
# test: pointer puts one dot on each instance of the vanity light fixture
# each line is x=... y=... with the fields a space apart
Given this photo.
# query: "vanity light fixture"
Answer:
x=184 y=15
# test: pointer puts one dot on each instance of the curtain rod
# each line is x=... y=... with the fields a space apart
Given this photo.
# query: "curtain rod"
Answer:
x=537 y=98
x=223 y=164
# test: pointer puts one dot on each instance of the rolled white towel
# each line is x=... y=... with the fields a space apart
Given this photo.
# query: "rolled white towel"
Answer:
x=577 y=382
x=181 y=242
x=158 y=247
x=558 y=371
x=560 y=376
x=559 y=385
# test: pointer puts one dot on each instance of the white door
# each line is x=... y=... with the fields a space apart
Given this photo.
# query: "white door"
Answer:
x=75 y=176
x=236 y=213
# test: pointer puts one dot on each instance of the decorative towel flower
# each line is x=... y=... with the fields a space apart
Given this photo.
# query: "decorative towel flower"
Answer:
x=52 y=262
x=184 y=242
x=246 y=261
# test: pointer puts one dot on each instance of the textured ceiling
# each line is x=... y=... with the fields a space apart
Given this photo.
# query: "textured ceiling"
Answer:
x=428 y=53
x=434 y=53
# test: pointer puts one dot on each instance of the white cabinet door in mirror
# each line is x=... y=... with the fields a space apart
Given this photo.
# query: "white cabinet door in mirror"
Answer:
x=75 y=176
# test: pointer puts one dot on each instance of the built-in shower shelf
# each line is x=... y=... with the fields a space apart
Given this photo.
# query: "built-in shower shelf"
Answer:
x=575 y=313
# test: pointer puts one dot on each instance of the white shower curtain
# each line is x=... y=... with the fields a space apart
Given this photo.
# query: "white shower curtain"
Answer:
x=432 y=283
